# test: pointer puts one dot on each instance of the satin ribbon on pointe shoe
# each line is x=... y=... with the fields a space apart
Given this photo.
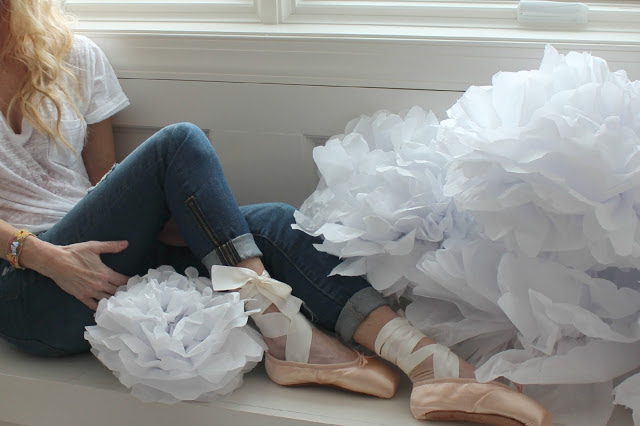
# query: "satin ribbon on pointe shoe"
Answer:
x=259 y=292
x=395 y=343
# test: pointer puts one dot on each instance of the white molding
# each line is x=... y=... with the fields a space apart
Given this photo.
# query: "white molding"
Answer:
x=165 y=11
x=605 y=19
x=468 y=9
x=401 y=11
x=269 y=11
x=365 y=61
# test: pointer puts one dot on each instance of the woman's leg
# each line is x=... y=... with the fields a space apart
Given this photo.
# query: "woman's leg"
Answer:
x=290 y=257
x=350 y=306
x=175 y=173
x=15 y=312
x=444 y=386
x=369 y=330
x=298 y=353
x=336 y=303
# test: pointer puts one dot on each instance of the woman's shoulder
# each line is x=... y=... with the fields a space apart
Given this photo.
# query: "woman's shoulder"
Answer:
x=83 y=52
x=82 y=41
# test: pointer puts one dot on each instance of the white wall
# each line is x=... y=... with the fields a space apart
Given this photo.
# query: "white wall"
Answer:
x=265 y=101
x=264 y=133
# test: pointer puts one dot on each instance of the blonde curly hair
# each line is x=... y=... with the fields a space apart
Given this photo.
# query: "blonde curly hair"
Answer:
x=40 y=37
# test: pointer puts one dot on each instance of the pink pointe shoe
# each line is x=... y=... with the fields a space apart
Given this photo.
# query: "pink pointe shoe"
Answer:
x=443 y=395
x=367 y=375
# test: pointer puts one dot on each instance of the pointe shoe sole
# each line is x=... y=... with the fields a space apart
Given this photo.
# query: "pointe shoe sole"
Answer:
x=468 y=400
x=461 y=416
x=366 y=375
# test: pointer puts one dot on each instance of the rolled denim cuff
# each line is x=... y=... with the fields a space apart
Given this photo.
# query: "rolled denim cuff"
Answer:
x=358 y=307
x=233 y=252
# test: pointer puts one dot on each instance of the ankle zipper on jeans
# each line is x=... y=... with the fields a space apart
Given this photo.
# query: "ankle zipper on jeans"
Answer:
x=199 y=217
x=226 y=251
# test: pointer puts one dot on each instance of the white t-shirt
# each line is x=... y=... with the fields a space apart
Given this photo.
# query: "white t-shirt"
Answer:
x=41 y=179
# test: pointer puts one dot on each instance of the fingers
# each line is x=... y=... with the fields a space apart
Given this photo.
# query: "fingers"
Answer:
x=93 y=303
x=108 y=246
x=102 y=295
x=102 y=288
x=106 y=274
x=117 y=279
x=90 y=303
x=109 y=288
x=110 y=282
x=85 y=276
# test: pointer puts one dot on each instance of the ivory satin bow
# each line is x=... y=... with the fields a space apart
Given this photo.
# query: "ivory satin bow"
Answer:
x=260 y=292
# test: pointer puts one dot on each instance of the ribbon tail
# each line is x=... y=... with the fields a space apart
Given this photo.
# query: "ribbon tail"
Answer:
x=298 y=340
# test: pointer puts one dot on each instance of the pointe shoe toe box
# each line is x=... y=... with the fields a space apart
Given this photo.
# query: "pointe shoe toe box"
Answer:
x=484 y=399
x=367 y=375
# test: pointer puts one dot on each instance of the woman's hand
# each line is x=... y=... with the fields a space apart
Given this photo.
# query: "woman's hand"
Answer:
x=82 y=274
x=76 y=268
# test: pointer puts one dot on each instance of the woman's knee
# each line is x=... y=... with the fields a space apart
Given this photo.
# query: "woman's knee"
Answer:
x=176 y=136
x=184 y=130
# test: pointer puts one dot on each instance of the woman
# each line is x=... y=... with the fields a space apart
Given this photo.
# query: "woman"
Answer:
x=75 y=230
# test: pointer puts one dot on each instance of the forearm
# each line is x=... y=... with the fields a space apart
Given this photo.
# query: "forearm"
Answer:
x=34 y=253
x=99 y=153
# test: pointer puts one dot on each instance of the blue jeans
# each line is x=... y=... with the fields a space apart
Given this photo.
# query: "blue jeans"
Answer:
x=176 y=173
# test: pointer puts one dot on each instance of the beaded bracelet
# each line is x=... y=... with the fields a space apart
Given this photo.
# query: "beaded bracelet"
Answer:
x=15 y=247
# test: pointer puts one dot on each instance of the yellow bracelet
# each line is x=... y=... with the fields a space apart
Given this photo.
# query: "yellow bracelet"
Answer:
x=15 y=247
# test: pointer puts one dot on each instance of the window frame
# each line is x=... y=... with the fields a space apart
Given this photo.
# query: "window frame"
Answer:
x=461 y=43
x=612 y=15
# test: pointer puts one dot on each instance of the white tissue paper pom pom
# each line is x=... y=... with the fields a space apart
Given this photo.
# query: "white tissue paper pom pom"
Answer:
x=548 y=161
x=170 y=338
x=627 y=393
x=380 y=196
x=455 y=301
x=512 y=226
